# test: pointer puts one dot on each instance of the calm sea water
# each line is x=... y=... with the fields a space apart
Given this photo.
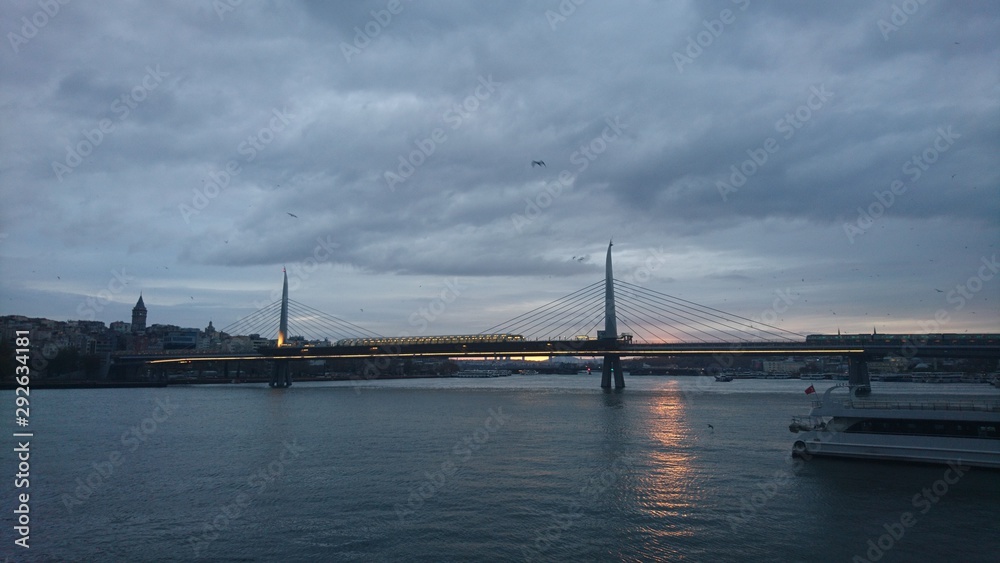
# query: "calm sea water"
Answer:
x=523 y=468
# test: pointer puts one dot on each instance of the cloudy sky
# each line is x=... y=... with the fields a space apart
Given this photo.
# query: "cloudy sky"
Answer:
x=843 y=155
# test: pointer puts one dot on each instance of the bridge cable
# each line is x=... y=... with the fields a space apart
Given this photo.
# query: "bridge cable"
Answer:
x=724 y=314
x=700 y=310
x=559 y=317
x=669 y=313
x=542 y=311
x=626 y=308
x=687 y=313
x=336 y=320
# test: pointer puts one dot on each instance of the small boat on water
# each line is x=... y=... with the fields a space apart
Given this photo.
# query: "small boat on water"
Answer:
x=483 y=373
x=941 y=432
x=724 y=378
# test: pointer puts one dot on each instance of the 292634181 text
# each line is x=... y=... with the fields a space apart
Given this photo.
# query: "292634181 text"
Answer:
x=22 y=415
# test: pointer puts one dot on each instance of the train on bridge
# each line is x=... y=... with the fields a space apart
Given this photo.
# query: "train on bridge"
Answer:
x=901 y=339
x=444 y=339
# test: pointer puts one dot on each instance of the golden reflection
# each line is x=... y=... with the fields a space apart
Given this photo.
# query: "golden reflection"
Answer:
x=668 y=491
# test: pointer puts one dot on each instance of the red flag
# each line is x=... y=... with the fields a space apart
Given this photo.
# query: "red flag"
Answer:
x=810 y=389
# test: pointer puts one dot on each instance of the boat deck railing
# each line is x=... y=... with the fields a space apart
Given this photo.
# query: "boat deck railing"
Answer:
x=982 y=406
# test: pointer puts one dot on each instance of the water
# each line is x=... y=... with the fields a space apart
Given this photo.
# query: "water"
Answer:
x=541 y=468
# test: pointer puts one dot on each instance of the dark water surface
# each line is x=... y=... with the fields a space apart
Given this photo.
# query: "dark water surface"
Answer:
x=545 y=468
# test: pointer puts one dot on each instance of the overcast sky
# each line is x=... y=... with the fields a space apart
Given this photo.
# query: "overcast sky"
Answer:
x=381 y=151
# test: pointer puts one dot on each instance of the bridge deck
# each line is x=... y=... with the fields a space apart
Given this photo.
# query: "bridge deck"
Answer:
x=554 y=348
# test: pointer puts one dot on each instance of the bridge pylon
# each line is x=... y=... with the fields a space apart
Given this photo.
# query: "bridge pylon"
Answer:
x=280 y=376
x=612 y=362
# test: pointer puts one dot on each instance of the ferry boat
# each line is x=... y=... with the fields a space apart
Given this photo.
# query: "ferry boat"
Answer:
x=965 y=432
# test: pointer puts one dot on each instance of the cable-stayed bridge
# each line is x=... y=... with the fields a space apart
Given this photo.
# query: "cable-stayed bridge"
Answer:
x=583 y=323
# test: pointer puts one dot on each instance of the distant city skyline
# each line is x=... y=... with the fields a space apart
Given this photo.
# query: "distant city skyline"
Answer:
x=828 y=166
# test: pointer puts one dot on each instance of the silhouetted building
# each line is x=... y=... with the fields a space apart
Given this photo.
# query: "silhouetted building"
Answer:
x=139 y=316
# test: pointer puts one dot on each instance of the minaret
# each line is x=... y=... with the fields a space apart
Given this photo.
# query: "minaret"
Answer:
x=283 y=321
x=139 y=316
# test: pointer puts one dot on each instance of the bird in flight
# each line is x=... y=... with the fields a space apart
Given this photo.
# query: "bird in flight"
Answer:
x=535 y=163
x=712 y=427
x=293 y=215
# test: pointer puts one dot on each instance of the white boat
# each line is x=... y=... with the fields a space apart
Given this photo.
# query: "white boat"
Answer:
x=963 y=432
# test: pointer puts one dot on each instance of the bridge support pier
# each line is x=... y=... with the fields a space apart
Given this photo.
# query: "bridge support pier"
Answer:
x=612 y=366
x=857 y=375
x=280 y=375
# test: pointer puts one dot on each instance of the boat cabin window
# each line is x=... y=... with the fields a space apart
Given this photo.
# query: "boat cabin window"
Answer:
x=926 y=428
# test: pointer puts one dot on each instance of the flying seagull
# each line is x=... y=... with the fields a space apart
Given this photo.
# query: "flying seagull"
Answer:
x=535 y=163
x=293 y=215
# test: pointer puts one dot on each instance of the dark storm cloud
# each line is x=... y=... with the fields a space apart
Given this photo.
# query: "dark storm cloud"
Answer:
x=400 y=135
